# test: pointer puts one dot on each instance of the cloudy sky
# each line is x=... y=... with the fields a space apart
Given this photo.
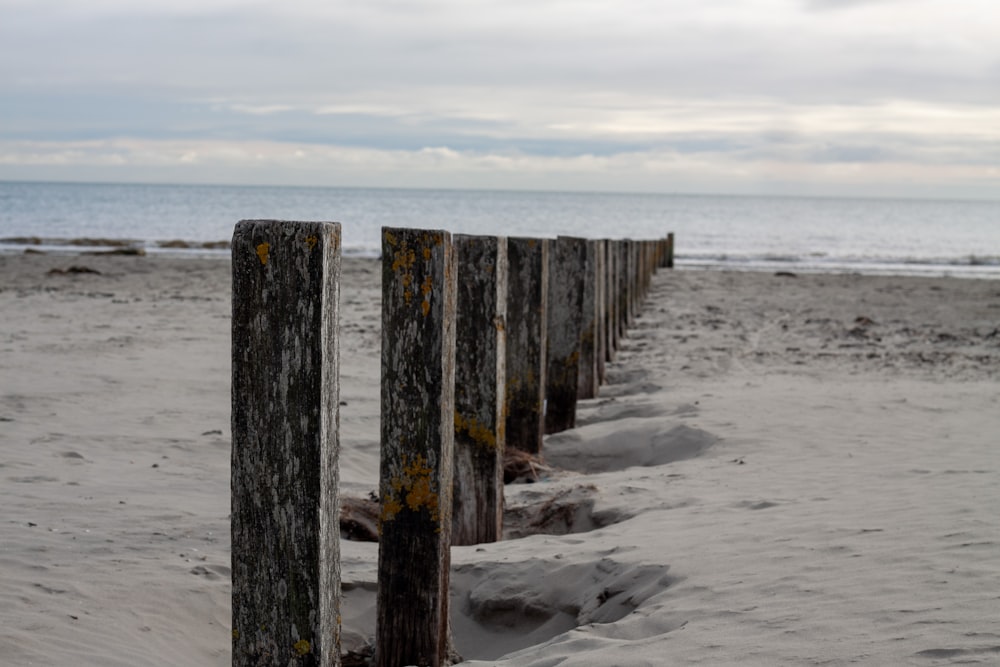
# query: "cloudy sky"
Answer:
x=865 y=97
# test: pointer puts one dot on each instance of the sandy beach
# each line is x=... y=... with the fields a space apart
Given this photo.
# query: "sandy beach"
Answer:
x=780 y=470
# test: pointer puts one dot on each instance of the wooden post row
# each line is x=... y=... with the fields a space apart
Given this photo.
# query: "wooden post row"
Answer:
x=480 y=363
x=285 y=525
x=417 y=441
x=550 y=310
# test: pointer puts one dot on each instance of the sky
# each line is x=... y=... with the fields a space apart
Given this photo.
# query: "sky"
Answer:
x=895 y=98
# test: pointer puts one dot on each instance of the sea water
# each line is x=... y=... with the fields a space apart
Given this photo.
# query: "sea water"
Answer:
x=906 y=236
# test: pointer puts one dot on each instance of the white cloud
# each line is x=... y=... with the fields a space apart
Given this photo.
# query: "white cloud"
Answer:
x=661 y=170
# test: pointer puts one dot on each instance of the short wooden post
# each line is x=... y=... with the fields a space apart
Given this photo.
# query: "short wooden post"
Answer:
x=527 y=323
x=417 y=439
x=587 y=382
x=566 y=278
x=670 y=251
x=480 y=362
x=285 y=523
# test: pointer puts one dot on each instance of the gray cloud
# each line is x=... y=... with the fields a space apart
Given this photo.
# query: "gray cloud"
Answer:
x=734 y=79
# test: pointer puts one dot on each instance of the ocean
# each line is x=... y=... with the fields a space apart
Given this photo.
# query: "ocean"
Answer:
x=870 y=236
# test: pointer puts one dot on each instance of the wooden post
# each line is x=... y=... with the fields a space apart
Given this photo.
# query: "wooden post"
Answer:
x=480 y=362
x=636 y=247
x=418 y=431
x=670 y=250
x=285 y=518
x=633 y=281
x=647 y=267
x=587 y=382
x=527 y=319
x=600 y=297
x=612 y=297
x=566 y=270
x=623 y=297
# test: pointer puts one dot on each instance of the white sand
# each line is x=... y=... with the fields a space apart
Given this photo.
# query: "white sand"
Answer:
x=763 y=481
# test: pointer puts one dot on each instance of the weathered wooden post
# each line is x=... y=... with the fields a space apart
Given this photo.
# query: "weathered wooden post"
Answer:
x=640 y=275
x=623 y=289
x=587 y=381
x=480 y=362
x=647 y=267
x=527 y=322
x=566 y=278
x=285 y=518
x=670 y=251
x=417 y=437
x=636 y=278
x=612 y=298
x=633 y=288
x=600 y=298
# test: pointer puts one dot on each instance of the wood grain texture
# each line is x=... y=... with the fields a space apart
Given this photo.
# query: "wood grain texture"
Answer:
x=600 y=309
x=587 y=378
x=285 y=528
x=480 y=362
x=567 y=263
x=417 y=441
x=527 y=323
x=612 y=299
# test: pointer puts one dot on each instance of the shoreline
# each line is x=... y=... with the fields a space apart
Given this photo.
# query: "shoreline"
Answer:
x=980 y=268
x=779 y=470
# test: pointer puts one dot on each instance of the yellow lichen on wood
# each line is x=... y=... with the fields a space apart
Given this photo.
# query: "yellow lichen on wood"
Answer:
x=427 y=288
x=263 y=249
x=403 y=260
x=311 y=242
x=390 y=508
x=478 y=432
x=415 y=487
x=302 y=647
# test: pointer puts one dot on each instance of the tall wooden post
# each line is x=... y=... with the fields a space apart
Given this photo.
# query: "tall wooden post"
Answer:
x=647 y=267
x=566 y=271
x=670 y=250
x=285 y=519
x=418 y=431
x=480 y=362
x=527 y=320
x=633 y=281
x=600 y=298
x=612 y=298
x=623 y=291
x=587 y=382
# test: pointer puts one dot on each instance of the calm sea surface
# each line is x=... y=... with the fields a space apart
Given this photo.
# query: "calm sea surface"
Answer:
x=757 y=233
